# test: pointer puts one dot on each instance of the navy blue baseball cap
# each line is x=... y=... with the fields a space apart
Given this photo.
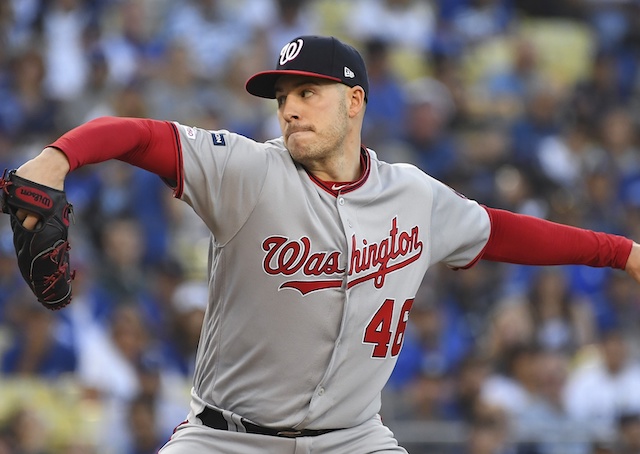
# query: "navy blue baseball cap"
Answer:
x=313 y=56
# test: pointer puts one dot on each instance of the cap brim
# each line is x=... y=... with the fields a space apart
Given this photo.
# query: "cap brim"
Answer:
x=263 y=83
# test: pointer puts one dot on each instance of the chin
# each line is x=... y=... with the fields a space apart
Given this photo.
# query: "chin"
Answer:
x=297 y=154
x=296 y=149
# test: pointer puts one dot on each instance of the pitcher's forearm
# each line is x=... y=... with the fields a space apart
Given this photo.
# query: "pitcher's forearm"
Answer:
x=527 y=240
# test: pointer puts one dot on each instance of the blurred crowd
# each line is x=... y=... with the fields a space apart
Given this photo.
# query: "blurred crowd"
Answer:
x=526 y=105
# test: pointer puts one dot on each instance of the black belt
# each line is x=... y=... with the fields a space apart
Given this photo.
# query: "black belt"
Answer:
x=213 y=418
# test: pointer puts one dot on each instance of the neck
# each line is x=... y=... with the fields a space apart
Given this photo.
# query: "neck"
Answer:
x=339 y=167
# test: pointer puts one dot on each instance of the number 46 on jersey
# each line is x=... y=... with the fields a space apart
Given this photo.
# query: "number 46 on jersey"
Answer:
x=380 y=330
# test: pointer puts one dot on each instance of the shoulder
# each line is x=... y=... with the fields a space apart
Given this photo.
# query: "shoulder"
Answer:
x=237 y=143
x=218 y=140
x=401 y=171
x=388 y=166
x=277 y=147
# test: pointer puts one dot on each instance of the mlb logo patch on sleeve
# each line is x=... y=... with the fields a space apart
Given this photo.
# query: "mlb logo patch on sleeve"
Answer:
x=218 y=139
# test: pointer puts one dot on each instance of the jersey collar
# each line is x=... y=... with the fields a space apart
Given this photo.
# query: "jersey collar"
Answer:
x=334 y=188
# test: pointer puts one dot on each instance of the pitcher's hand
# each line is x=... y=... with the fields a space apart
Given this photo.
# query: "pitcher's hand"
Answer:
x=633 y=262
x=49 y=168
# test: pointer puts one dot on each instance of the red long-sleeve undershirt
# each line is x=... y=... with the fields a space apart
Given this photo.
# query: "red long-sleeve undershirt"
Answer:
x=527 y=240
x=149 y=144
x=154 y=145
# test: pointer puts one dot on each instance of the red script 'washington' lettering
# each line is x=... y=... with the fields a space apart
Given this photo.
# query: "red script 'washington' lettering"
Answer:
x=396 y=251
x=371 y=261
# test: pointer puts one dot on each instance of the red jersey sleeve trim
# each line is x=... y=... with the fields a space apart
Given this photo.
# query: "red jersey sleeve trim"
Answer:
x=178 y=184
x=527 y=240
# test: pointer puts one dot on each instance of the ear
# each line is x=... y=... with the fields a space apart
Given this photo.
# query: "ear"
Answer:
x=355 y=101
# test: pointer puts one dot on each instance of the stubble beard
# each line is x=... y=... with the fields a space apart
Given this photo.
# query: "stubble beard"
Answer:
x=326 y=145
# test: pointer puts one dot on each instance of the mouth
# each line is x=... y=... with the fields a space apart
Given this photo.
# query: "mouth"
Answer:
x=296 y=130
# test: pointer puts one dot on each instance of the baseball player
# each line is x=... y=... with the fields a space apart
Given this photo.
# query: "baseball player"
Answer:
x=317 y=251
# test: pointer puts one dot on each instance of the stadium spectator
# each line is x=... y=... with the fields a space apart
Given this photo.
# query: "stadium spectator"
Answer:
x=611 y=380
x=408 y=24
x=38 y=346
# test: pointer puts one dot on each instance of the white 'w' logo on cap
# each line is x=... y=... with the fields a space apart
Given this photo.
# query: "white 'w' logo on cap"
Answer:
x=348 y=73
x=290 y=51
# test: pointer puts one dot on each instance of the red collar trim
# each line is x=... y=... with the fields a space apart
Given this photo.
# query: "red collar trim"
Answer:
x=336 y=187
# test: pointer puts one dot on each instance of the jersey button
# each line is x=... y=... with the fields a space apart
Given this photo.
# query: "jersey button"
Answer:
x=321 y=392
x=341 y=201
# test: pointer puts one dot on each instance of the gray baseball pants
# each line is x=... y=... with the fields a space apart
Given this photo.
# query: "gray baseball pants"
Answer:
x=367 y=438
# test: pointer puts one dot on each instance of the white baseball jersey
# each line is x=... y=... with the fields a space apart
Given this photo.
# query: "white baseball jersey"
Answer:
x=310 y=292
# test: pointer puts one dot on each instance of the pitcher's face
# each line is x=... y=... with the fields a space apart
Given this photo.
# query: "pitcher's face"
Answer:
x=313 y=117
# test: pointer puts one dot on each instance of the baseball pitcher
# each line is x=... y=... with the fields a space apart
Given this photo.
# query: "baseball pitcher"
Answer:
x=317 y=251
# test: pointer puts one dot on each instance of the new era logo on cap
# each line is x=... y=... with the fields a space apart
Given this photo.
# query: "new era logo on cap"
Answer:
x=313 y=56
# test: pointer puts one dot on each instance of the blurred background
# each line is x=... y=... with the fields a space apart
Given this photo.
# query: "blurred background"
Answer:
x=528 y=105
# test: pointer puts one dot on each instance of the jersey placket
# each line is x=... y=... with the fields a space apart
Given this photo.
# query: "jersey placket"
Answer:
x=321 y=391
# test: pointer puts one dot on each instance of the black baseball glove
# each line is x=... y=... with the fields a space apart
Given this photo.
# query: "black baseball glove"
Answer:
x=43 y=253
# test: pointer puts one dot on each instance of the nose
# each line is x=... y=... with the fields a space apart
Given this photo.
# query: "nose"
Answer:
x=289 y=109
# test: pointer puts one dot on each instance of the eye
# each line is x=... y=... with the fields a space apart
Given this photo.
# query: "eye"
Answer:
x=306 y=93
x=280 y=100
